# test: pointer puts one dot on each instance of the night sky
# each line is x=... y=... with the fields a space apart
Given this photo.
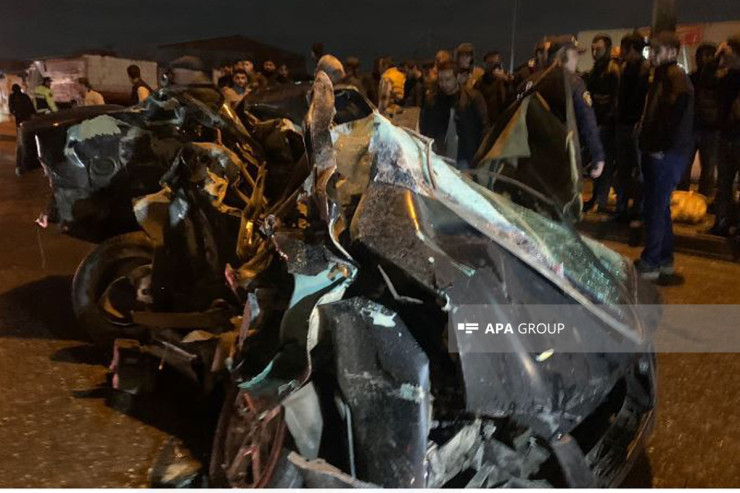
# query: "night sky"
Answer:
x=401 y=28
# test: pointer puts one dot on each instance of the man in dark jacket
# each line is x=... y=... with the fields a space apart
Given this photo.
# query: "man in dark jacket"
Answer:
x=603 y=85
x=706 y=118
x=140 y=90
x=454 y=116
x=630 y=102
x=352 y=74
x=665 y=138
x=495 y=86
x=20 y=105
x=728 y=165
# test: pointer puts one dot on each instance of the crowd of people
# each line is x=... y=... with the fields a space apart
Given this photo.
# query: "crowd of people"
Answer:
x=640 y=120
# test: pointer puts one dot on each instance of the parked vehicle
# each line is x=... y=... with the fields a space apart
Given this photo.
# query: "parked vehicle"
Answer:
x=314 y=280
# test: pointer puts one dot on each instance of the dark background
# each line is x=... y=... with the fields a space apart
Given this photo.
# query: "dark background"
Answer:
x=409 y=28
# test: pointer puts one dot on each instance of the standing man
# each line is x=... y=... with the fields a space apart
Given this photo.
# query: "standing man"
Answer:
x=140 y=90
x=413 y=91
x=352 y=74
x=90 y=97
x=728 y=165
x=495 y=86
x=391 y=89
x=665 y=138
x=454 y=116
x=283 y=75
x=468 y=71
x=269 y=71
x=20 y=105
x=239 y=88
x=43 y=100
x=224 y=79
x=317 y=51
x=563 y=51
x=603 y=85
x=630 y=102
x=706 y=118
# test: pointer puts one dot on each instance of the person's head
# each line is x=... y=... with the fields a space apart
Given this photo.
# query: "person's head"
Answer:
x=84 y=85
x=664 y=48
x=427 y=71
x=704 y=53
x=317 y=51
x=465 y=56
x=730 y=55
x=239 y=78
x=269 y=67
x=332 y=67
x=237 y=66
x=134 y=72
x=352 y=65
x=46 y=81
x=447 y=78
x=601 y=47
x=565 y=48
x=283 y=70
x=410 y=68
x=631 y=47
x=442 y=56
x=16 y=89
x=498 y=70
x=540 y=53
x=492 y=58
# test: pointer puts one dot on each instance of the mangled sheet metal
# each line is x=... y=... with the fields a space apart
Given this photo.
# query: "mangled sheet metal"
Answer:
x=384 y=198
x=345 y=270
x=109 y=160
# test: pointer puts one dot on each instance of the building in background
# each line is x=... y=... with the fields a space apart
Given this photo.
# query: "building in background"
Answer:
x=106 y=73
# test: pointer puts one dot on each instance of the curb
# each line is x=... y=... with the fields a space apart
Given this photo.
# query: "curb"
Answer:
x=685 y=240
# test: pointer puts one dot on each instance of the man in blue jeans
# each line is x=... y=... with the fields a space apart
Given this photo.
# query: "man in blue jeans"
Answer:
x=665 y=138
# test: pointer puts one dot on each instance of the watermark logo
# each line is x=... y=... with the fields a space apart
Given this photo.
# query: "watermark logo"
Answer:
x=467 y=327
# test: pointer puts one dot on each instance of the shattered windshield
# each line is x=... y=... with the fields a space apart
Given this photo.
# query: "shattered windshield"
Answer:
x=601 y=272
x=589 y=272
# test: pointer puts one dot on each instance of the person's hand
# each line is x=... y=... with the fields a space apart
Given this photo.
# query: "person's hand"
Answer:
x=43 y=220
x=722 y=49
x=597 y=169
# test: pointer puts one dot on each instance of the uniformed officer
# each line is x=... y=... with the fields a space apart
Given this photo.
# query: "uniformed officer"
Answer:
x=566 y=49
x=563 y=51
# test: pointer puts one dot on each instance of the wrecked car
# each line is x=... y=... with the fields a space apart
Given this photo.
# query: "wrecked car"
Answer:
x=314 y=281
x=53 y=126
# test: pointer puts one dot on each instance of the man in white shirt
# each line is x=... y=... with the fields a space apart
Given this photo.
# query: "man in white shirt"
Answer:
x=238 y=90
x=90 y=96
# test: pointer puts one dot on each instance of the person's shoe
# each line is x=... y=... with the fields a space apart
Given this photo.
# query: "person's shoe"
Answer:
x=18 y=171
x=720 y=228
x=620 y=217
x=667 y=270
x=647 y=271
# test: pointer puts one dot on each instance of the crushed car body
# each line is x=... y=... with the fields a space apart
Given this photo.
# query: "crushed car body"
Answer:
x=315 y=283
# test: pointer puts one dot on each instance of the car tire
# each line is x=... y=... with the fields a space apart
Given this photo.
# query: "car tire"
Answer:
x=113 y=259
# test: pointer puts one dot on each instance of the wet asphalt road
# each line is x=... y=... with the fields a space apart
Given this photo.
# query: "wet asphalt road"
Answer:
x=58 y=426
